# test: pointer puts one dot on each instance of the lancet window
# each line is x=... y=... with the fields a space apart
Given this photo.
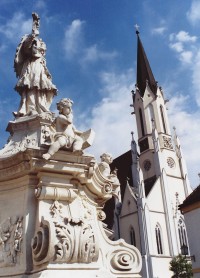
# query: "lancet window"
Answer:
x=182 y=233
x=158 y=239
x=132 y=236
x=141 y=122
x=163 y=119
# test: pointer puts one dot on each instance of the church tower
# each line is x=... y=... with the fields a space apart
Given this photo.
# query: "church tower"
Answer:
x=158 y=182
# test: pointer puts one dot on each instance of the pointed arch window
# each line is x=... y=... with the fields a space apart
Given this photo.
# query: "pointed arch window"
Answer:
x=141 y=121
x=158 y=239
x=163 y=119
x=151 y=115
x=132 y=236
x=182 y=234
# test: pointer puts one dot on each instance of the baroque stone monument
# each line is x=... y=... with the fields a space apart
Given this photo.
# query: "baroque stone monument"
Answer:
x=52 y=193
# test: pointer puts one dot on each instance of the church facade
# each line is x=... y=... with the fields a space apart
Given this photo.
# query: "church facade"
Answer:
x=153 y=180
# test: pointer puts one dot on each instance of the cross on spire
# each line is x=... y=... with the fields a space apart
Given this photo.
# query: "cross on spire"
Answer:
x=137 y=28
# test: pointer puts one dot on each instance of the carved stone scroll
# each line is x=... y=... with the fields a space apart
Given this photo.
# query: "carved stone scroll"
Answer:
x=55 y=193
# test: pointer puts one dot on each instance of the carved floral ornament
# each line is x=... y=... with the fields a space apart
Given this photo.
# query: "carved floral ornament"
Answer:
x=170 y=162
x=64 y=238
x=167 y=142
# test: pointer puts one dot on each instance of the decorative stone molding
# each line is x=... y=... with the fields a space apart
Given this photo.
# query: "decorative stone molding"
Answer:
x=122 y=260
x=28 y=133
x=55 y=193
x=167 y=143
x=66 y=240
x=76 y=243
x=15 y=169
x=42 y=248
x=121 y=257
x=11 y=232
x=171 y=163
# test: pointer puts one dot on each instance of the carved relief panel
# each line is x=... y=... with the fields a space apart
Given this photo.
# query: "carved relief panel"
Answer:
x=11 y=232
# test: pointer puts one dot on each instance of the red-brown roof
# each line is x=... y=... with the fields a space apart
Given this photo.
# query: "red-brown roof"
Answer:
x=193 y=198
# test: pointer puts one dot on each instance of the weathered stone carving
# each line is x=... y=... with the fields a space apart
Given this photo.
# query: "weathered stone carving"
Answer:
x=35 y=83
x=55 y=193
x=11 y=231
x=167 y=141
x=122 y=260
x=66 y=134
x=14 y=147
x=104 y=168
x=64 y=239
x=40 y=243
x=77 y=242
x=101 y=215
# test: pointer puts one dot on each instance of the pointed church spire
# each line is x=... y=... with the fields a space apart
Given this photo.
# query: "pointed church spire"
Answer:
x=144 y=72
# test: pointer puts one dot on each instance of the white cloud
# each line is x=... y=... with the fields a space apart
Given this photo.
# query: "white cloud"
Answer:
x=196 y=77
x=73 y=38
x=159 y=30
x=183 y=36
x=182 y=43
x=186 y=57
x=187 y=126
x=17 y=26
x=93 y=54
x=111 y=117
x=177 y=46
x=75 y=46
x=193 y=14
x=40 y=4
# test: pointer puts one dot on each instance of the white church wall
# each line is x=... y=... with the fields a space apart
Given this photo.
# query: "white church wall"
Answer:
x=192 y=219
x=174 y=186
x=161 y=267
x=126 y=223
x=129 y=217
x=154 y=199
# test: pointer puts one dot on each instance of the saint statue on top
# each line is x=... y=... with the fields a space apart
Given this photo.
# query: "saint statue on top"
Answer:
x=34 y=80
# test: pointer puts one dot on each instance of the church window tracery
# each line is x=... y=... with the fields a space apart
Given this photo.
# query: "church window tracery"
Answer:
x=182 y=233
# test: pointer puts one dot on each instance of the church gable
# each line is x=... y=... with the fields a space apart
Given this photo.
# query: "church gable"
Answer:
x=129 y=204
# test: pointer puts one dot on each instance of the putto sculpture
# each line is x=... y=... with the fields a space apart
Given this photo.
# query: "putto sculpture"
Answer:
x=66 y=135
x=104 y=168
x=34 y=80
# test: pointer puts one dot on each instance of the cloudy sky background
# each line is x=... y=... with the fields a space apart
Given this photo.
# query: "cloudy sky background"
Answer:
x=91 y=54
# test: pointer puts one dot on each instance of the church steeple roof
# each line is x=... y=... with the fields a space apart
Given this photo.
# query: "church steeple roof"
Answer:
x=144 y=72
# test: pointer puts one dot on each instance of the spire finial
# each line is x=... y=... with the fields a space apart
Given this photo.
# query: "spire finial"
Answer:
x=132 y=133
x=174 y=128
x=137 y=28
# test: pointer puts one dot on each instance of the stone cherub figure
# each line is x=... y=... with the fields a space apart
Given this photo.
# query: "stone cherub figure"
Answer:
x=66 y=135
x=34 y=80
x=104 y=167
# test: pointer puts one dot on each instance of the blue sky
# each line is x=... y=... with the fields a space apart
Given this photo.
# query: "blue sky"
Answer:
x=91 y=54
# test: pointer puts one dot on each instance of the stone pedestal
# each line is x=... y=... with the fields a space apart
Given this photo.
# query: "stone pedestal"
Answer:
x=51 y=219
